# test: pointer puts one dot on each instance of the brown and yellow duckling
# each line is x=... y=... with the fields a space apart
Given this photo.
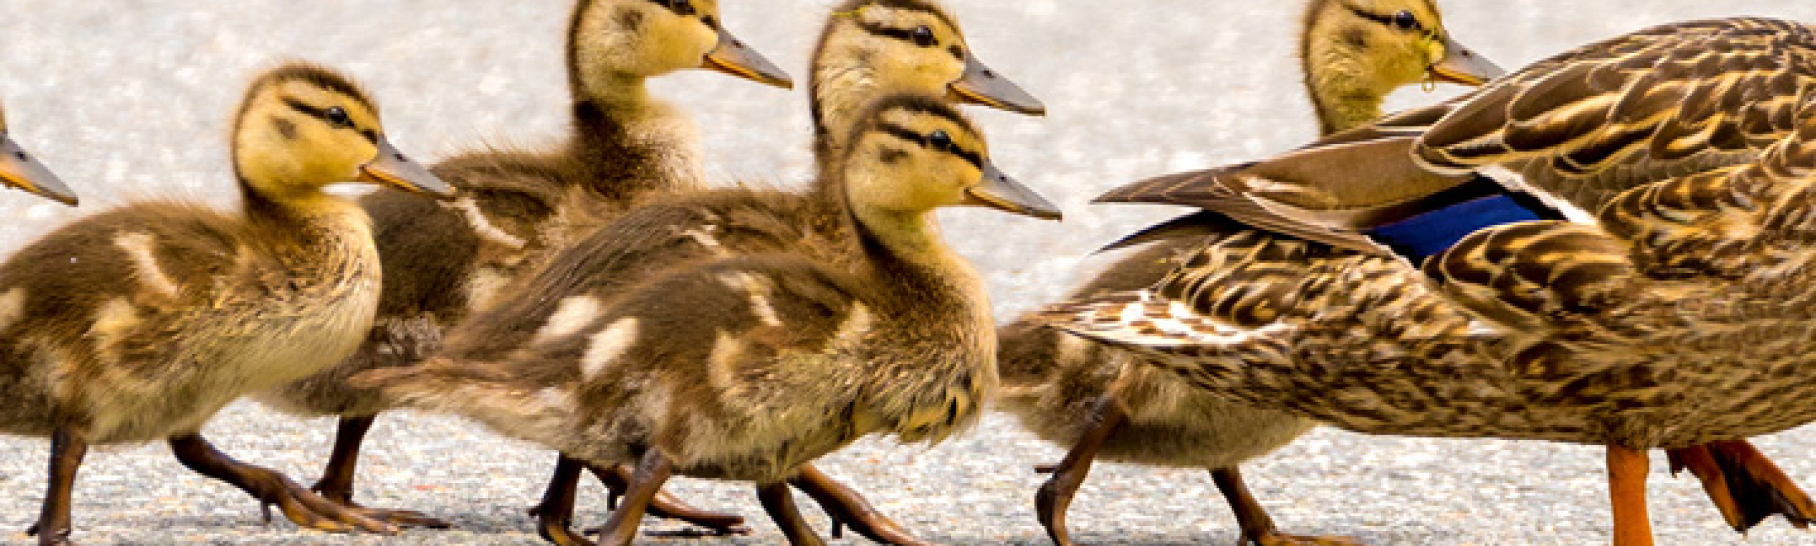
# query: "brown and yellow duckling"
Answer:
x=865 y=47
x=216 y=305
x=22 y=171
x=1612 y=247
x=748 y=367
x=1081 y=395
x=442 y=262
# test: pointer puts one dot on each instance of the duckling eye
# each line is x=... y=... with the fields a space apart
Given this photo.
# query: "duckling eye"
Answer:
x=680 y=7
x=1405 y=20
x=337 y=117
x=922 y=36
x=939 y=140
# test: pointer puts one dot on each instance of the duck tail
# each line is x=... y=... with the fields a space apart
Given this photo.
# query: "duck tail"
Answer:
x=1745 y=485
x=483 y=391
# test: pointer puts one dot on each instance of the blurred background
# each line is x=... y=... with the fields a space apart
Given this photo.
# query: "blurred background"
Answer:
x=129 y=99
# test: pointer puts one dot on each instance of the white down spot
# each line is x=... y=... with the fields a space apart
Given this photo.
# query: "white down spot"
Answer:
x=12 y=307
x=477 y=220
x=757 y=289
x=573 y=314
x=607 y=345
x=139 y=248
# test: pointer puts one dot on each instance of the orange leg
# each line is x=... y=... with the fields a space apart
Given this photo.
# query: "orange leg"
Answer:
x=1745 y=485
x=1627 y=489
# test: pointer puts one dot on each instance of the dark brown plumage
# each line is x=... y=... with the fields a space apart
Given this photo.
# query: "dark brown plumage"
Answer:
x=1660 y=315
x=748 y=367
x=214 y=305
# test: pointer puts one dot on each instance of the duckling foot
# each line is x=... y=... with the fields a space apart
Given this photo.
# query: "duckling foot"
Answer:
x=300 y=505
x=336 y=483
x=847 y=507
x=652 y=471
x=67 y=449
x=1055 y=496
x=1745 y=485
x=779 y=502
x=617 y=478
x=555 y=514
x=1257 y=526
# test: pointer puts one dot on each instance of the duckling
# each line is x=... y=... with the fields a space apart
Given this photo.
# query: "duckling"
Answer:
x=22 y=171
x=444 y=261
x=1082 y=395
x=214 y=305
x=848 y=66
x=1607 y=264
x=748 y=367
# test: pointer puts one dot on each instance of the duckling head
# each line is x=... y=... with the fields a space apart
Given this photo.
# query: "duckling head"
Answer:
x=911 y=154
x=20 y=170
x=909 y=46
x=1356 y=52
x=302 y=127
x=612 y=43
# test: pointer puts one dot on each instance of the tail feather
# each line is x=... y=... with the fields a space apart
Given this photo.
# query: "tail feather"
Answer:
x=488 y=394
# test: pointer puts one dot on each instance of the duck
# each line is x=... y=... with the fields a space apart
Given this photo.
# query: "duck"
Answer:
x=749 y=366
x=1081 y=396
x=20 y=170
x=445 y=260
x=1596 y=249
x=139 y=323
x=693 y=225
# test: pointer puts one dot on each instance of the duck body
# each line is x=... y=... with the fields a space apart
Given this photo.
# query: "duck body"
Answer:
x=218 y=309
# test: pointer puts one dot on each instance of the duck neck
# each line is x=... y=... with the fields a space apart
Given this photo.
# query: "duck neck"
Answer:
x=626 y=143
x=839 y=89
x=1343 y=91
x=927 y=277
x=309 y=227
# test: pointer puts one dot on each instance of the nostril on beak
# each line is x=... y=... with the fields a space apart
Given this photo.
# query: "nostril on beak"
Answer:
x=989 y=73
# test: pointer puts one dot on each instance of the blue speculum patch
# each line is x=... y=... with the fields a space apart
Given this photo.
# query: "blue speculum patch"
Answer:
x=1435 y=231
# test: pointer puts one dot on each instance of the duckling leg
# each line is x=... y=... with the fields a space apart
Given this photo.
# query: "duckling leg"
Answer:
x=847 y=507
x=1257 y=526
x=300 y=505
x=1055 y=496
x=336 y=483
x=556 y=512
x=617 y=478
x=652 y=471
x=67 y=448
x=1627 y=490
x=1745 y=485
x=778 y=500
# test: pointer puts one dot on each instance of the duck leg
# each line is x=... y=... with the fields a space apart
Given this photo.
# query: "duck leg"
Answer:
x=67 y=448
x=336 y=483
x=555 y=513
x=300 y=505
x=778 y=500
x=847 y=507
x=652 y=471
x=1257 y=526
x=1627 y=490
x=1055 y=496
x=617 y=479
x=1745 y=485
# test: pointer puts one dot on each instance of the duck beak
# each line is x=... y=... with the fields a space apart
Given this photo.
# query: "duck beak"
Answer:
x=981 y=85
x=735 y=58
x=998 y=191
x=1461 y=65
x=392 y=168
x=20 y=170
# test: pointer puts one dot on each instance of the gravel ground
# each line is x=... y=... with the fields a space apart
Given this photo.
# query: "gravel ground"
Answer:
x=128 y=99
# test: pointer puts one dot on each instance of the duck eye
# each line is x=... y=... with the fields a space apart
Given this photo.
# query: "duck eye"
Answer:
x=1405 y=20
x=684 y=7
x=939 y=140
x=922 y=36
x=337 y=116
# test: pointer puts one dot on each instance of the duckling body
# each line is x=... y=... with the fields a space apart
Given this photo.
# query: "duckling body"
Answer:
x=216 y=305
x=1638 y=299
x=749 y=366
x=1061 y=387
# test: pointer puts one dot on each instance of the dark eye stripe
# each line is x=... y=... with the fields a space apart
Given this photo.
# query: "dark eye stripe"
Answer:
x=903 y=34
x=322 y=114
x=677 y=7
x=1384 y=20
x=975 y=159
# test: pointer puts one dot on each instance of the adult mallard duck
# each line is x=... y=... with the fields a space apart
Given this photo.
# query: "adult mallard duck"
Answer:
x=22 y=171
x=442 y=262
x=1082 y=396
x=1612 y=248
x=867 y=47
x=140 y=323
x=748 y=367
